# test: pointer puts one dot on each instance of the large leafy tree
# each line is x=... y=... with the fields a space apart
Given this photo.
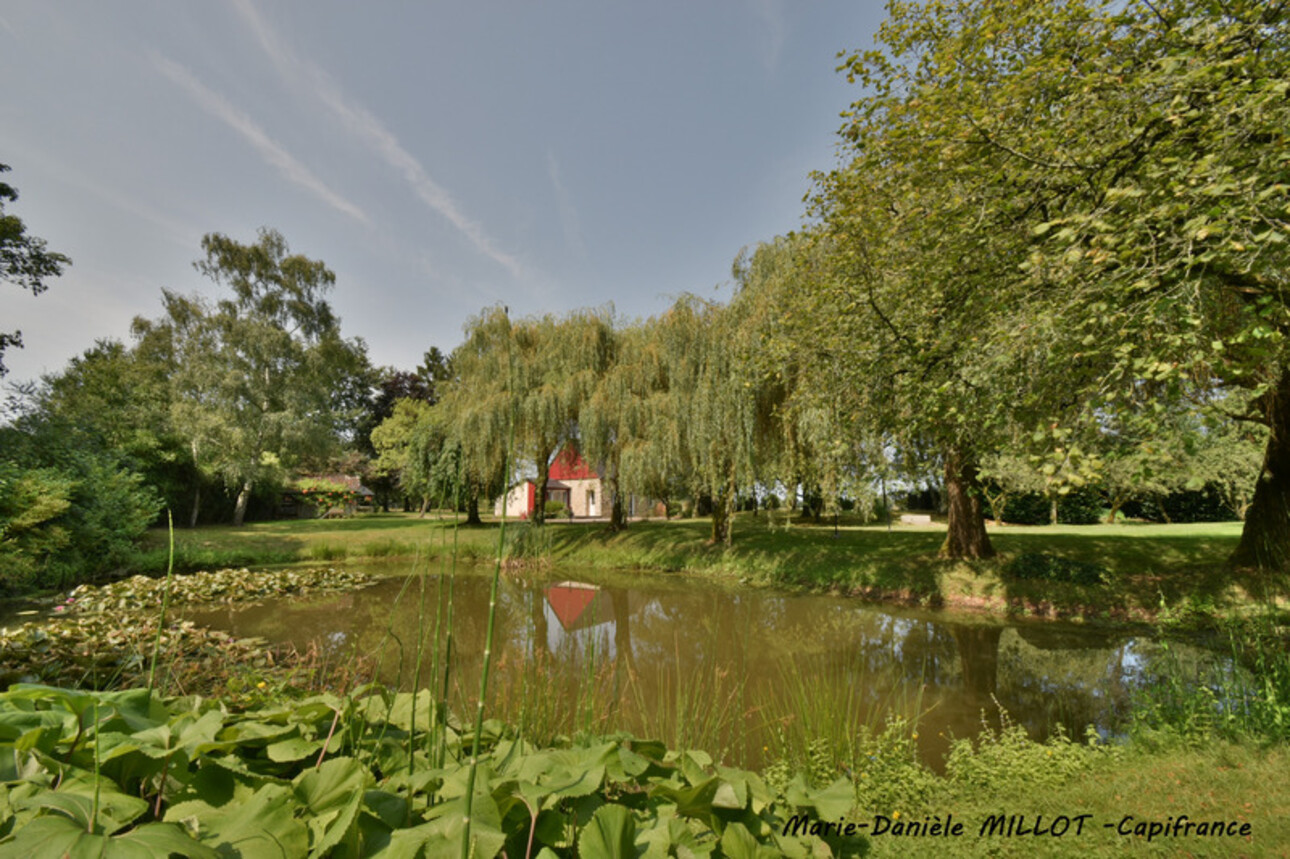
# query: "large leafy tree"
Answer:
x=1108 y=182
x=262 y=379
x=24 y=260
x=907 y=322
x=116 y=398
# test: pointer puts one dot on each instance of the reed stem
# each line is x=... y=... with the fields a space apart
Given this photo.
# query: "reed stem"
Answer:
x=492 y=618
x=165 y=603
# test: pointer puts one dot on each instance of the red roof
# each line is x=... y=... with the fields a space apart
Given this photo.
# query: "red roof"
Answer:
x=568 y=465
x=579 y=605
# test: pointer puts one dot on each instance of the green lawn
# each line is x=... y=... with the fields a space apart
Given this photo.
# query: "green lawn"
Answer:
x=1223 y=781
x=1146 y=567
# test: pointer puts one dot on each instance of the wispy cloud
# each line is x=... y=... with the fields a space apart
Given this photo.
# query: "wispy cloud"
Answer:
x=771 y=12
x=564 y=202
x=269 y=149
x=361 y=123
x=176 y=230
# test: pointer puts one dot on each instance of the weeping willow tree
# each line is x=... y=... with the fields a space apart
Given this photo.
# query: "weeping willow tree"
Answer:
x=558 y=363
x=709 y=412
x=813 y=438
x=612 y=416
x=478 y=405
x=535 y=371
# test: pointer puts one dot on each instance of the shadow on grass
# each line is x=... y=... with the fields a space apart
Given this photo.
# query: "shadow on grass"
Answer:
x=1145 y=567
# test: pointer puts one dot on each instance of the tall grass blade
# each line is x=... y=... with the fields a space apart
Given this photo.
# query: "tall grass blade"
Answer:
x=165 y=604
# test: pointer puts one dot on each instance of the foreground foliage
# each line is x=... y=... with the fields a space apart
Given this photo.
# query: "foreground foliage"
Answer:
x=130 y=773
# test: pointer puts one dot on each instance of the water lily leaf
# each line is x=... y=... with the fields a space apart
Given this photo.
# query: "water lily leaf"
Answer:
x=671 y=836
x=727 y=796
x=18 y=766
x=749 y=787
x=442 y=835
x=694 y=765
x=256 y=732
x=263 y=826
x=75 y=799
x=692 y=801
x=829 y=803
x=627 y=764
x=611 y=834
x=390 y=809
x=403 y=716
x=553 y=828
x=15 y=723
x=61 y=836
x=293 y=749
x=738 y=843
x=333 y=794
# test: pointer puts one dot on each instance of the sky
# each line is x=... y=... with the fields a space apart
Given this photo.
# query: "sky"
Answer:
x=439 y=157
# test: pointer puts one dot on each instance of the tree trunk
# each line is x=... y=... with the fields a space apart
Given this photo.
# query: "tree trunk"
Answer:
x=472 y=507
x=543 y=476
x=979 y=658
x=720 y=521
x=966 y=537
x=1265 y=537
x=723 y=513
x=617 y=516
x=1052 y=511
x=239 y=510
x=197 y=505
x=197 y=496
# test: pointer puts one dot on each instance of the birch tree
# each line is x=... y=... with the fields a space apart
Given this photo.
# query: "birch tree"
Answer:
x=262 y=379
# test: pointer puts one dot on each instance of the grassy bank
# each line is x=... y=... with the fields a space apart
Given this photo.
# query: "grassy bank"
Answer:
x=1102 y=572
x=360 y=771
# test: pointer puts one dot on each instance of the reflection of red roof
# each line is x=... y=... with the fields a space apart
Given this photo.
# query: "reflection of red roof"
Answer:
x=568 y=465
x=576 y=605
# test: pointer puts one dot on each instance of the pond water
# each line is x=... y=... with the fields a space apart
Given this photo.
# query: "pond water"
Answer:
x=727 y=668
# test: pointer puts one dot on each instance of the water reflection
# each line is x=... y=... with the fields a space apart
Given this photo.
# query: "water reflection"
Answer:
x=664 y=656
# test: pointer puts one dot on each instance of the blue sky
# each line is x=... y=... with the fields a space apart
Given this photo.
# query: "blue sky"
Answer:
x=439 y=157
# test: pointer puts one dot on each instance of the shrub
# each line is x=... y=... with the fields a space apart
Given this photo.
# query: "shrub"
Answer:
x=66 y=522
x=555 y=509
x=327 y=495
x=1078 y=507
x=1052 y=568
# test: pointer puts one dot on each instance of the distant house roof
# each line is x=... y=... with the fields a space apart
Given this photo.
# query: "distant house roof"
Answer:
x=569 y=465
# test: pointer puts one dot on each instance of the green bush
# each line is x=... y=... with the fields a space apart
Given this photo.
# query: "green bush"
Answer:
x=555 y=509
x=1052 y=568
x=327 y=495
x=1078 y=507
x=70 y=521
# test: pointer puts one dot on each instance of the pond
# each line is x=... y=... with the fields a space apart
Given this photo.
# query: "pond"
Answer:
x=736 y=671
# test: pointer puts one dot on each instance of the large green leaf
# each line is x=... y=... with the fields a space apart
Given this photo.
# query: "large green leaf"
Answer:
x=830 y=803
x=76 y=799
x=333 y=795
x=263 y=826
x=611 y=834
x=56 y=835
x=738 y=843
x=441 y=836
